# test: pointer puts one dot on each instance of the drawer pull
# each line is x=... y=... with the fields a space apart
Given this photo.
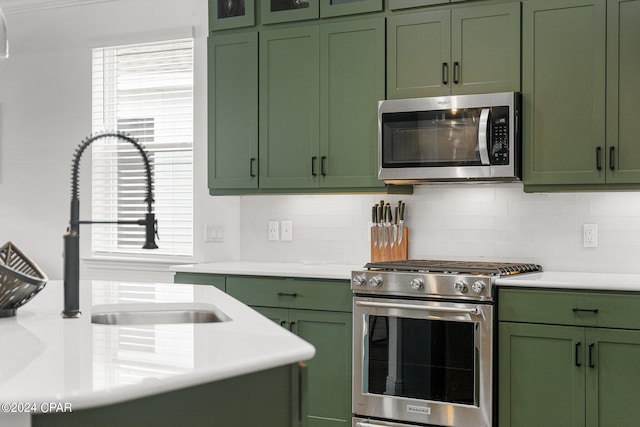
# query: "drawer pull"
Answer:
x=578 y=344
x=283 y=294
x=585 y=310
x=591 y=364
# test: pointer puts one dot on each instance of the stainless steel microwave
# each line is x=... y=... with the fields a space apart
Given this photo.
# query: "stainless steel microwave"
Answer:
x=464 y=138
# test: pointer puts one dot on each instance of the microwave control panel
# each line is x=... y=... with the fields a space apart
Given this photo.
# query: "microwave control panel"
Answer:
x=499 y=150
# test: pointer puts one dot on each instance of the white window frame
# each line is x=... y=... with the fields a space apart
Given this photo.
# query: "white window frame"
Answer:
x=159 y=79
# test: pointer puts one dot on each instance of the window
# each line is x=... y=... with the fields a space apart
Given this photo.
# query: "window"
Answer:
x=146 y=91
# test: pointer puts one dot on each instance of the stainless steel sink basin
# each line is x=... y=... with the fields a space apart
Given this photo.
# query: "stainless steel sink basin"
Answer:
x=156 y=313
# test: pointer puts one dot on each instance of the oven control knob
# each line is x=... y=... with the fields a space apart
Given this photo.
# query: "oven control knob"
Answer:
x=478 y=287
x=416 y=284
x=359 y=280
x=461 y=287
x=376 y=281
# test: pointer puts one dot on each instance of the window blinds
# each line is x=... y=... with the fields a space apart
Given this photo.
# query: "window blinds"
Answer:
x=146 y=91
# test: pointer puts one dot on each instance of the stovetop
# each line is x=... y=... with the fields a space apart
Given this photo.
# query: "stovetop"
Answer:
x=435 y=278
x=455 y=267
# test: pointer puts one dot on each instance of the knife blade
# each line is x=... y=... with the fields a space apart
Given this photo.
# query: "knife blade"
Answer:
x=396 y=226
x=387 y=225
x=374 y=225
x=401 y=207
x=380 y=210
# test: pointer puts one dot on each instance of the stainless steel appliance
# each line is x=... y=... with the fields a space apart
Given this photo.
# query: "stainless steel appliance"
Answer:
x=450 y=138
x=423 y=342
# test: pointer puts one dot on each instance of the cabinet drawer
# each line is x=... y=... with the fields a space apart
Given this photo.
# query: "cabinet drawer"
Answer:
x=332 y=295
x=201 y=279
x=574 y=308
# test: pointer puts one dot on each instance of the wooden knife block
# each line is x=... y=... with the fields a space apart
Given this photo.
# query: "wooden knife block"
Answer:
x=392 y=252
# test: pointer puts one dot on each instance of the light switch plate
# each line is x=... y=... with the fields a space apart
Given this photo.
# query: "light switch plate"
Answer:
x=286 y=230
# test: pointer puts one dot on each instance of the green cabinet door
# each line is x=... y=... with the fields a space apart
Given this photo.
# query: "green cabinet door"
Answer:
x=563 y=85
x=274 y=11
x=224 y=14
x=329 y=8
x=612 y=377
x=485 y=60
x=233 y=111
x=289 y=104
x=418 y=54
x=351 y=84
x=623 y=91
x=328 y=400
x=540 y=382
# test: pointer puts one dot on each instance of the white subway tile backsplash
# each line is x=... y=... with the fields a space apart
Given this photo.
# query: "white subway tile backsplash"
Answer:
x=496 y=222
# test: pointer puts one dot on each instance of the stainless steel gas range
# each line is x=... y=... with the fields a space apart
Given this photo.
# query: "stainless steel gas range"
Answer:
x=423 y=342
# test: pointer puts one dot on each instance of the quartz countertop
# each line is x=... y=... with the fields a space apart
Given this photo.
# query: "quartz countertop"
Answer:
x=574 y=280
x=317 y=270
x=49 y=359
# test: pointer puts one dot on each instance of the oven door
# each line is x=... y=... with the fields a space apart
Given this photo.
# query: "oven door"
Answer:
x=428 y=362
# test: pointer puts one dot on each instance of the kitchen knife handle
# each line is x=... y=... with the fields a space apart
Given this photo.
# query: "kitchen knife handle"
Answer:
x=456 y=72
x=598 y=158
x=252 y=161
x=314 y=160
x=578 y=344
x=445 y=73
x=612 y=163
x=323 y=165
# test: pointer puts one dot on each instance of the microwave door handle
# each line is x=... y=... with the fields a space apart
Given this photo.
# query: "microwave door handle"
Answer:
x=483 y=137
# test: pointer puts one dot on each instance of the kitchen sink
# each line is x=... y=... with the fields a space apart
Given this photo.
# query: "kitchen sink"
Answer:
x=156 y=313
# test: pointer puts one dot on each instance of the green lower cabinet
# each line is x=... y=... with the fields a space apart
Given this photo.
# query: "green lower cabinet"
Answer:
x=582 y=373
x=613 y=384
x=539 y=383
x=326 y=395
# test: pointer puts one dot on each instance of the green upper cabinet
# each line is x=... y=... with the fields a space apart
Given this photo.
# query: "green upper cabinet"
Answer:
x=329 y=8
x=319 y=87
x=351 y=84
x=275 y=11
x=454 y=51
x=233 y=111
x=405 y=4
x=563 y=91
x=289 y=107
x=225 y=14
x=581 y=130
x=623 y=91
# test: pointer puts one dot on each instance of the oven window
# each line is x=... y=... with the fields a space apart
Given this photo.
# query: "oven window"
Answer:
x=431 y=138
x=421 y=359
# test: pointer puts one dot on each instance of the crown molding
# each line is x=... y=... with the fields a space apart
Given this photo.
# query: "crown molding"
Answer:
x=24 y=6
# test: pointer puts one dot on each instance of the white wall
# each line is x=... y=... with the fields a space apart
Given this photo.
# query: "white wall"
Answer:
x=45 y=112
x=493 y=222
x=45 y=106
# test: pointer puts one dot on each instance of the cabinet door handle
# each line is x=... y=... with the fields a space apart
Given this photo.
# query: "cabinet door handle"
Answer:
x=445 y=73
x=456 y=72
x=314 y=160
x=584 y=310
x=323 y=165
x=591 y=363
x=282 y=323
x=612 y=162
x=598 y=158
x=578 y=344
x=252 y=161
x=284 y=294
x=291 y=326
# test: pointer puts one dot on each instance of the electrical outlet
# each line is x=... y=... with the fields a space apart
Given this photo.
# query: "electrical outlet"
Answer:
x=213 y=233
x=286 y=228
x=590 y=235
x=274 y=230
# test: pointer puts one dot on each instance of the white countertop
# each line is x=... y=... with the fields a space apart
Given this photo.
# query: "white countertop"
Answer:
x=280 y=269
x=575 y=280
x=45 y=358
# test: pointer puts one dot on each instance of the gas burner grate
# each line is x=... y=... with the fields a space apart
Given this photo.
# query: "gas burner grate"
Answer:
x=468 y=267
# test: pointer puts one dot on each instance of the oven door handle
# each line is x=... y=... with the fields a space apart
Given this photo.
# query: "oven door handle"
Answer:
x=450 y=310
x=360 y=424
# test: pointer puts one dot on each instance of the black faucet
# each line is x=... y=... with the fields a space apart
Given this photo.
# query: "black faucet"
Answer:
x=72 y=236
